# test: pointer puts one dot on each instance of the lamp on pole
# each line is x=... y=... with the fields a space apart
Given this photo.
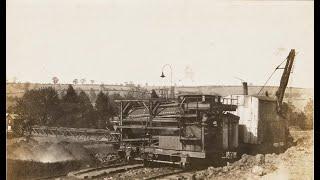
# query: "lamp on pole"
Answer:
x=163 y=76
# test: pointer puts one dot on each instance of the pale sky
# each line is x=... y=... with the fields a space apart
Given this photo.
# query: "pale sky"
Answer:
x=116 y=41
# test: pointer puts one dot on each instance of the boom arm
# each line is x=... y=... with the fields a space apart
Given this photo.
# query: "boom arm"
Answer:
x=284 y=80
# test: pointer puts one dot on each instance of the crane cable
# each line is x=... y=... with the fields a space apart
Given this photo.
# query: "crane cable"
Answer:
x=278 y=67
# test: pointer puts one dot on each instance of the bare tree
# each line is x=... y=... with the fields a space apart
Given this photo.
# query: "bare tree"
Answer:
x=92 y=81
x=83 y=80
x=75 y=81
x=55 y=80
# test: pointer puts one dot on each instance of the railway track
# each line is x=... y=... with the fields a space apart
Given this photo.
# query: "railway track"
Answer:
x=102 y=171
x=164 y=175
x=116 y=169
x=177 y=174
x=50 y=177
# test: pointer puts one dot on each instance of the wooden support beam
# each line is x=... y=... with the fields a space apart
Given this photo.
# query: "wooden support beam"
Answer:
x=190 y=139
x=168 y=116
x=137 y=139
x=144 y=127
x=166 y=120
x=153 y=120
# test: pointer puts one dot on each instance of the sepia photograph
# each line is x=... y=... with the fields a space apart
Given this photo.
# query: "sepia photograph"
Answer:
x=159 y=90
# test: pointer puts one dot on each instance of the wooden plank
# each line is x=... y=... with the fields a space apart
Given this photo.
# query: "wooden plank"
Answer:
x=153 y=120
x=159 y=118
x=141 y=100
x=189 y=115
x=172 y=152
x=164 y=128
x=168 y=116
x=138 y=139
x=165 y=120
x=138 y=115
x=190 y=139
x=144 y=127
x=135 y=119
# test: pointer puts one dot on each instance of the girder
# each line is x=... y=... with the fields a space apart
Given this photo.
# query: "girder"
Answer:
x=77 y=133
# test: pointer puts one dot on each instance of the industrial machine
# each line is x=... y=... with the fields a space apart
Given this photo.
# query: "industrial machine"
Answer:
x=263 y=125
x=199 y=127
x=177 y=131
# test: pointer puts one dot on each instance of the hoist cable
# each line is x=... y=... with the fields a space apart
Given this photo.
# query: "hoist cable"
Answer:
x=278 y=67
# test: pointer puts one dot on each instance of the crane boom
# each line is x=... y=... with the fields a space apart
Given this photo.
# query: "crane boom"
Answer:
x=284 y=80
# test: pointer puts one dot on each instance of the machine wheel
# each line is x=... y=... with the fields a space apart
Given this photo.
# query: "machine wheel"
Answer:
x=146 y=163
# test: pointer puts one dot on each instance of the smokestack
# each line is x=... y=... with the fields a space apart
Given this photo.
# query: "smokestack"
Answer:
x=245 y=88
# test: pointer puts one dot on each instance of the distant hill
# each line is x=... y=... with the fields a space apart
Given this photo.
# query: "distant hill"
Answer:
x=18 y=89
x=299 y=96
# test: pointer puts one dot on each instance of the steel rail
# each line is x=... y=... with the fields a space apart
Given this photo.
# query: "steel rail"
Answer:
x=103 y=171
x=168 y=174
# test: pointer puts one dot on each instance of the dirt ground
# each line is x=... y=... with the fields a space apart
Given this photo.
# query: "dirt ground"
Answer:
x=25 y=158
x=296 y=162
x=47 y=150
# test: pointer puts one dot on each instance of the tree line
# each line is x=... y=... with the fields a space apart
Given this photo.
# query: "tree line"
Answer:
x=45 y=107
x=302 y=119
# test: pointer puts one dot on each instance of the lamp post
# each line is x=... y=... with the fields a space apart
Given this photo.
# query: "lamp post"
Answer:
x=163 y=76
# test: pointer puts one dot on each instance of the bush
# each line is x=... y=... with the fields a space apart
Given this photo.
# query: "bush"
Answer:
x=308 y=111
x=36 y=107
x=302 y=119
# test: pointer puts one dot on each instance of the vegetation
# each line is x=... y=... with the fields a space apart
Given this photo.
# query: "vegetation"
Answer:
x=36 y=107
x=308 y=110
x=302 y=119
x=45 y=107
x=92 y=95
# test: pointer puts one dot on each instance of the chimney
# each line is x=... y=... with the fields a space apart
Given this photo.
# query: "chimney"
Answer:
x=245 y=88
